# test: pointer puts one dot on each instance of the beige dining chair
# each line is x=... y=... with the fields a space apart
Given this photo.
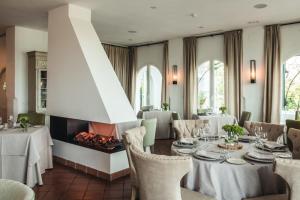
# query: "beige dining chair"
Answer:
x=159 y=176
x=184 y=128
x=294 y=138
x=13 y=190
x=274 y=130
x=289 y=170
x=133 y=137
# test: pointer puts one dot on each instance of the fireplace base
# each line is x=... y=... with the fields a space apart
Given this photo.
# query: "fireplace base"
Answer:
x=108 y=166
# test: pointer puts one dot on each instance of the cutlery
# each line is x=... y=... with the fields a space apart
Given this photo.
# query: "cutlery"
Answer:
x=222 y=161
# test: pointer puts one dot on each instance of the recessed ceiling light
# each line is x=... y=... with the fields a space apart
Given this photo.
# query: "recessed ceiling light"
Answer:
x=260 y=5
x=193 y=15
x=153 y=7
x=130 y=39
x=253 y=22
x=201 y=27
x=131 y=31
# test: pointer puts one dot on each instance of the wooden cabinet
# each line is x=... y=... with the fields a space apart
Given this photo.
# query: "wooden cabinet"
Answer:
x=37 y=81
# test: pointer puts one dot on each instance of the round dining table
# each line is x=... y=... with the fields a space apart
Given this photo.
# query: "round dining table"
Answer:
x=225 y=181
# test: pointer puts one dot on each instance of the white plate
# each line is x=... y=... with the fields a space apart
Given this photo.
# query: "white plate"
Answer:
x=37 y=126
x=185 y=151
x=283 y=155
x=236 y=161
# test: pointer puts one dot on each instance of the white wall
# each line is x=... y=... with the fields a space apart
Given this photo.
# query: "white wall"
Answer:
x=176 y=91
x=21 y=40
x=290 y=41
x=253 y=49
x=152 y=55
x=210 y=48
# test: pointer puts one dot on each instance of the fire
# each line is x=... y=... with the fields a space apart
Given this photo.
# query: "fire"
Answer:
x=97 y=140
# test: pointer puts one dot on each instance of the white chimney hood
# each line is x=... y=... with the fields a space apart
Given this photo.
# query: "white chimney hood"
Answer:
x=81 y=81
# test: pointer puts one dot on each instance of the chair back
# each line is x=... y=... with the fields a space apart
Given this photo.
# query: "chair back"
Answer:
x=159 y=175
x=291 y=124
x=147 y=108
x=246 y=116
x=289 y=170
x=10 y=189
x=33 y=117
x=175 y=116
x=274 y=130
x=133 y=137
x=184 y=128
x=150 y=126
x=294 y=138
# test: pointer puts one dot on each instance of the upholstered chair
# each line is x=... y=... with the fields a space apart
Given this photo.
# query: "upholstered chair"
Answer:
x=184 y=128
x=246 y=116
x=291 y=124
x=289 y=170
x=159 y=176
x=274 y=130
x=175 y=116
x=294 y=138
x=134 y=137
x=149 y=138
x=14 y=190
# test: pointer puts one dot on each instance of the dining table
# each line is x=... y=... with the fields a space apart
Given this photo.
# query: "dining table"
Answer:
x=25 y=155
x=217 y=121
x=226 y=181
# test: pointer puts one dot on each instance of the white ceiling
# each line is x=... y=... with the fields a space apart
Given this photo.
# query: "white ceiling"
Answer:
x=172 y=18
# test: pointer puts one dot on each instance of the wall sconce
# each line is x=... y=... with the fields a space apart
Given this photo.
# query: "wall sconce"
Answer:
x=175 y=76
x=4 y=86
x=252 y=71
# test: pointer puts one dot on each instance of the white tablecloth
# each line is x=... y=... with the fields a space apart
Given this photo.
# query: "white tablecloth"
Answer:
x=216 y=122
x=24 y=156
x=163 y=122
x=226 y=181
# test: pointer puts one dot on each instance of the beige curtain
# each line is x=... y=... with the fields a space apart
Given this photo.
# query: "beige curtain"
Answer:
x=165 y=74
x=190 y=70
x=233 y=53
x=271 y=106
x=132 y=73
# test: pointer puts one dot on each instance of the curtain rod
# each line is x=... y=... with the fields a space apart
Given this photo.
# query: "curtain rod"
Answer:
x=289 y=23
x=149 y=44
x=216 y=34
x=115 y=45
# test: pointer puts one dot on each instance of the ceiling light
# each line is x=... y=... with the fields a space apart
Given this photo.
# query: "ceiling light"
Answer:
x=130 y=39
x=253 y=22
x=131 y=31
x=193 y=15
x=201 y=27
x=153 y=7
x=260 y=5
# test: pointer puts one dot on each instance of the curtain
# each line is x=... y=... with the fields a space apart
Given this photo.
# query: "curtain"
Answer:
x=132 y=74
x=190 y=69
x=165 y=73
x=233 y=52
x=271 y=105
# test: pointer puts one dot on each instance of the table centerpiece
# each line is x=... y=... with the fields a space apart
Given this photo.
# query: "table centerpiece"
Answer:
x=231 y=140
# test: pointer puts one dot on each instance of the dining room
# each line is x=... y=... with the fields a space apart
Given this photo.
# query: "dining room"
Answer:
x=149 y=100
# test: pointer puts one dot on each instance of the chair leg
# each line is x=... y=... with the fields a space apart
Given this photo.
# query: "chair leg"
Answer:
x=133 y=193
x=152 y=148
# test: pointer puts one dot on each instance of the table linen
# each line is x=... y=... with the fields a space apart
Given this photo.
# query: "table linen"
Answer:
x=226 y=181
x=217 y=121
x=24 y=156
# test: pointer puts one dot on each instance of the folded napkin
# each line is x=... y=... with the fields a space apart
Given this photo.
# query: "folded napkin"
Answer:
x=208 y=154
x=261 y=156
x=273 y=145
x=186 y=141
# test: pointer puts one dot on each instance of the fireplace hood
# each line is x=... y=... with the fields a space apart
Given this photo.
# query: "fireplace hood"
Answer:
x=81 y=81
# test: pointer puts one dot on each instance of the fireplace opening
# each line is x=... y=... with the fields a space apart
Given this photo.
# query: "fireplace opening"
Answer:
x=94 y=135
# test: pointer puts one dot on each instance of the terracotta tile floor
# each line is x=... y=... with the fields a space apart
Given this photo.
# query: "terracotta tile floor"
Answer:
x=62 y=183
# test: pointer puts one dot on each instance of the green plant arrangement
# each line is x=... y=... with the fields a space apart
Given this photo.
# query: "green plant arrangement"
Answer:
x=297 y=114
x=233 y=131
x=165 y=106
x=223 y=109
x=24 y=123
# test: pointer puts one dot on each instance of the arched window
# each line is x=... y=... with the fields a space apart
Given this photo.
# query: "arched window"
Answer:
x=148 y=87
x=211 y=85
x=291 y=87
